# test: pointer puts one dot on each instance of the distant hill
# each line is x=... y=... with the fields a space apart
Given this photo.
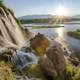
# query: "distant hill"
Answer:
x=46 y=18
x=30 y=17
x=76 y=16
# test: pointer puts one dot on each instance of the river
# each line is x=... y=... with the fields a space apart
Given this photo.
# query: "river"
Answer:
x=60 y=34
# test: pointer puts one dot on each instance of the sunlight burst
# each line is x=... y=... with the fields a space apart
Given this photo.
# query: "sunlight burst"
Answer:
x=61 y=11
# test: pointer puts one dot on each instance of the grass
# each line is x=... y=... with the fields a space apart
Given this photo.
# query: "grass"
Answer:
x=75 y=34
x=40 y=27
x=6 y=72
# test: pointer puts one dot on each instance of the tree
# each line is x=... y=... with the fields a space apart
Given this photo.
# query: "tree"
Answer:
x=1 y=2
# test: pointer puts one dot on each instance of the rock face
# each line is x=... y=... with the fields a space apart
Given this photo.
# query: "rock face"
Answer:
x=39 y=43
x=54 y=62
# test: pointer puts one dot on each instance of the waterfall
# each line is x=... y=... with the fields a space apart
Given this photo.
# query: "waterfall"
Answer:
x=10 y=31
x=23 y=59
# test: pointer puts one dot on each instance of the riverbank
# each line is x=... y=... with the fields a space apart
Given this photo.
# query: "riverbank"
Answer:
x=38 y=27
x=75 y=34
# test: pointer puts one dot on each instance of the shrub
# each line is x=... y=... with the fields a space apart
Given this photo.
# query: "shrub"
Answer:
x=6 y=72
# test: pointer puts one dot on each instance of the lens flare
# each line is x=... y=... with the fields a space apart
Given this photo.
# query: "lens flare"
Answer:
x=61 y=11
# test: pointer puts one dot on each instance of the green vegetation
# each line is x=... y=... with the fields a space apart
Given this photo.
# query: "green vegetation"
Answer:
x=75 y=19
x=35 y=71
x=12 y=13
x=35 y=21
x=77 y=54
x=47 y=20
x=25 y=31
x=6 y=72
x=1 y=2
x=40 y=27
x=72 y=72
x=10 y=10
x=75 y=34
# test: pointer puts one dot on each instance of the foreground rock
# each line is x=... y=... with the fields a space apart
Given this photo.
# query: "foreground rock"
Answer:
x=56 y=55
x=54 y=62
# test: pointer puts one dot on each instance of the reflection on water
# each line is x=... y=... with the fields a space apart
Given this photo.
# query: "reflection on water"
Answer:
x=60 y=34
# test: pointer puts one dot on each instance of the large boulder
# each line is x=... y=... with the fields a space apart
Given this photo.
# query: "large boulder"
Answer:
x=39 y=44
x=53 y=63
x=56 y=55
x=47 y=66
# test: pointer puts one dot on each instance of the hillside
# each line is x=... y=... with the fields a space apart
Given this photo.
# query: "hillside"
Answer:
x=46 y=18
x=30 y=17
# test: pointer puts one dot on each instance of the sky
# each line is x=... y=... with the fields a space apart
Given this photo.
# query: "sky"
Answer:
x=31 y=7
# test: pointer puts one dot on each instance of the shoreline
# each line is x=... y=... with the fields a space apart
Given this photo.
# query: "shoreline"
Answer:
x=74 y=34
x=38 y=27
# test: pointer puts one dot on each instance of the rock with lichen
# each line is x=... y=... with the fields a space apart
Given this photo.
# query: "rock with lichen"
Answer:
x=39 y=43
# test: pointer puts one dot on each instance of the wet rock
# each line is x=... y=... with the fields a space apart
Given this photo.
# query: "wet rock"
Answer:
x=56 y=55
x=18 y=59
x=75 y=61
x=6 y=54
x=26 y=49
x=24 y=59
x=39 y=44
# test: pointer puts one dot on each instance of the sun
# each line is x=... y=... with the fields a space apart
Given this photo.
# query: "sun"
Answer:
x=61 y=11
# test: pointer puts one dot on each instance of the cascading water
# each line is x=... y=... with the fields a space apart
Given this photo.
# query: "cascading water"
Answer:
x=12 y=36
x=23 y=59
x=10 y=31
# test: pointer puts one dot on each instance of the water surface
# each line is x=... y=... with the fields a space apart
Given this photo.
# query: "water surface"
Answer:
x=60 y=34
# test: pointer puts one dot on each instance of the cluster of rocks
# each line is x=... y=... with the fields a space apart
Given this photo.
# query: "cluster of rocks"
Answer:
x=52 y=60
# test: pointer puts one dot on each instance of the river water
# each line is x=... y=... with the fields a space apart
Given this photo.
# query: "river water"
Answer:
x=60 y=34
